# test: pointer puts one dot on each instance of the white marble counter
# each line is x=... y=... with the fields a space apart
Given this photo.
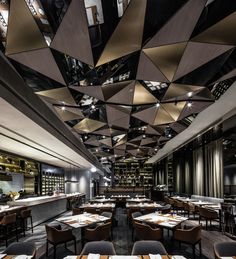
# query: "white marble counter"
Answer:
x=41 y=199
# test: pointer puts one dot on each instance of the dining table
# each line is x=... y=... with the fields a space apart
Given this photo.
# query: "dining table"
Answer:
x=82 y=220
x=143 y=205
x=167 y=220
x=125 y=257
x=98 y=205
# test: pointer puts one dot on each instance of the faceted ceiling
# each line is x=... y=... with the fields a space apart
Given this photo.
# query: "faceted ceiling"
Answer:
x=125 y=76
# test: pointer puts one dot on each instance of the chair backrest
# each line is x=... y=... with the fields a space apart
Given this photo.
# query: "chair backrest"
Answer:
x=107 y=214
x=25 y=213
x=136 y=214
x=99 y=247
x=26 y=248
x=52 y=232
x=149 y=210
x=207 y=213
x=130 y=211
x=145 y=232
x=225 y=249
x=166 y=208
x=101 y=232
x=9 y=219
x=91 y=210
x=148 y=247
x=76 y=211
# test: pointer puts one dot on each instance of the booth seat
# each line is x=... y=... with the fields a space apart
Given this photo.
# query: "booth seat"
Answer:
x=206 y=198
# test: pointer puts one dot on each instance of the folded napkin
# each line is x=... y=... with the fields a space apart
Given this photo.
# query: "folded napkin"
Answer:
x=23 y=257
x=178 y=257
x=93 y=256
x=2 y=255
x=227 y=257
x=71 y=257
x=152 y=256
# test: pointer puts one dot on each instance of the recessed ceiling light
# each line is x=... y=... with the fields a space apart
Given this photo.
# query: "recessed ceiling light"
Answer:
x=85 y=137
x=158 y=105
x=144 y=136
x=190 y=94
x=155 y=149
x=169 y=135
x=93 y=169
x=93 y=106
x=63 y=108
x=189 y=104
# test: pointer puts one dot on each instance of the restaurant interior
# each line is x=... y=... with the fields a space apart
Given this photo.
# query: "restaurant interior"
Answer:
x=117 y=129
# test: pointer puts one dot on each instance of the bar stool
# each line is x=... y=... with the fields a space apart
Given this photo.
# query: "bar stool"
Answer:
x=7 y=222
x=24 y=215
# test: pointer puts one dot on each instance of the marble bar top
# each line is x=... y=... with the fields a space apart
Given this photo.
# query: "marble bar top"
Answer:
x=41 y=199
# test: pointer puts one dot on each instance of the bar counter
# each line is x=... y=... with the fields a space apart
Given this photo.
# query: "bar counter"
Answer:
x=44 y=208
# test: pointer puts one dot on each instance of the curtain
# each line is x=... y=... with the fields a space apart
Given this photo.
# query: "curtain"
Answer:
x=214 y=169
x=198 y=172
x=187 y=177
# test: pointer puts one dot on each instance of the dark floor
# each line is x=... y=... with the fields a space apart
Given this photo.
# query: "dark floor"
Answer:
x=122 y=239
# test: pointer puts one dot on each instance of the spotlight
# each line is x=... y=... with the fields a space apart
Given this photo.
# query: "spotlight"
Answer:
x=156 y=149
x=93 y=106
x=144 y=136
x=63 y=108
x=158 y=105
x=189 y=94
x=189 y=104
x=93 y=169
x=85 y=137
x=169 y=135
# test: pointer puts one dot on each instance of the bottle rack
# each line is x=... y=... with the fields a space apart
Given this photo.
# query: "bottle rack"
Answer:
x=50 y=180
x=133 y=175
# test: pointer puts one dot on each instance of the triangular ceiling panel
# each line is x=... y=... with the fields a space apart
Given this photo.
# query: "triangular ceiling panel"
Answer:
x=59 y=95
x=88 y=125
x=127 y=37
x=106 y=142
x=125 y=96
x=42 y=61
x=151 y=131
x=230 y=74
x=180 y=26
x=23 y=33
x=67 y=115
x=92 y=142
x=223 y=32
x=147 y=141
x=167 y=57
x=94 y=91
x=178 y=91
x=110 y=90
x=197 y=54
x=174 y=109
x=142 y=96
x=72 y=36
x=147 y=70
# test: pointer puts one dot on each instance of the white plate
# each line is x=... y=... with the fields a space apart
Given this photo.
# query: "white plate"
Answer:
x=2 y=255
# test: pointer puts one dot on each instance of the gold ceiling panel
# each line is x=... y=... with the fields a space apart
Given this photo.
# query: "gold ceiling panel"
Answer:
x=88 y=125
x=58 y=95
x=146 y=115
x=162 y=117
x=147 y=70
x=142 y=96
x=94 y=91
x=106 y=142
x=222 y=32
x=72 y=36
x=127 y=37
x=174 y=109
x=42 y=61
x=66 y=114
x=178 y=91
x=92 y=141
x=167 y=57
x=180 y=26
x=151 y=131
x=197 y=54
x=23 y=33
x=111 y=90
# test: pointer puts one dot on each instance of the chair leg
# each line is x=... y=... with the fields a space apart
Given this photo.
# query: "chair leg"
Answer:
x=31 y=220
x=54 y=251
x=200 y=248
x=23 y=226
x=75 y=246
x=47 y=248
x=206 y=223
x=16 y=232
x=65 y=245
x=193 y=246
x=179 y=245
